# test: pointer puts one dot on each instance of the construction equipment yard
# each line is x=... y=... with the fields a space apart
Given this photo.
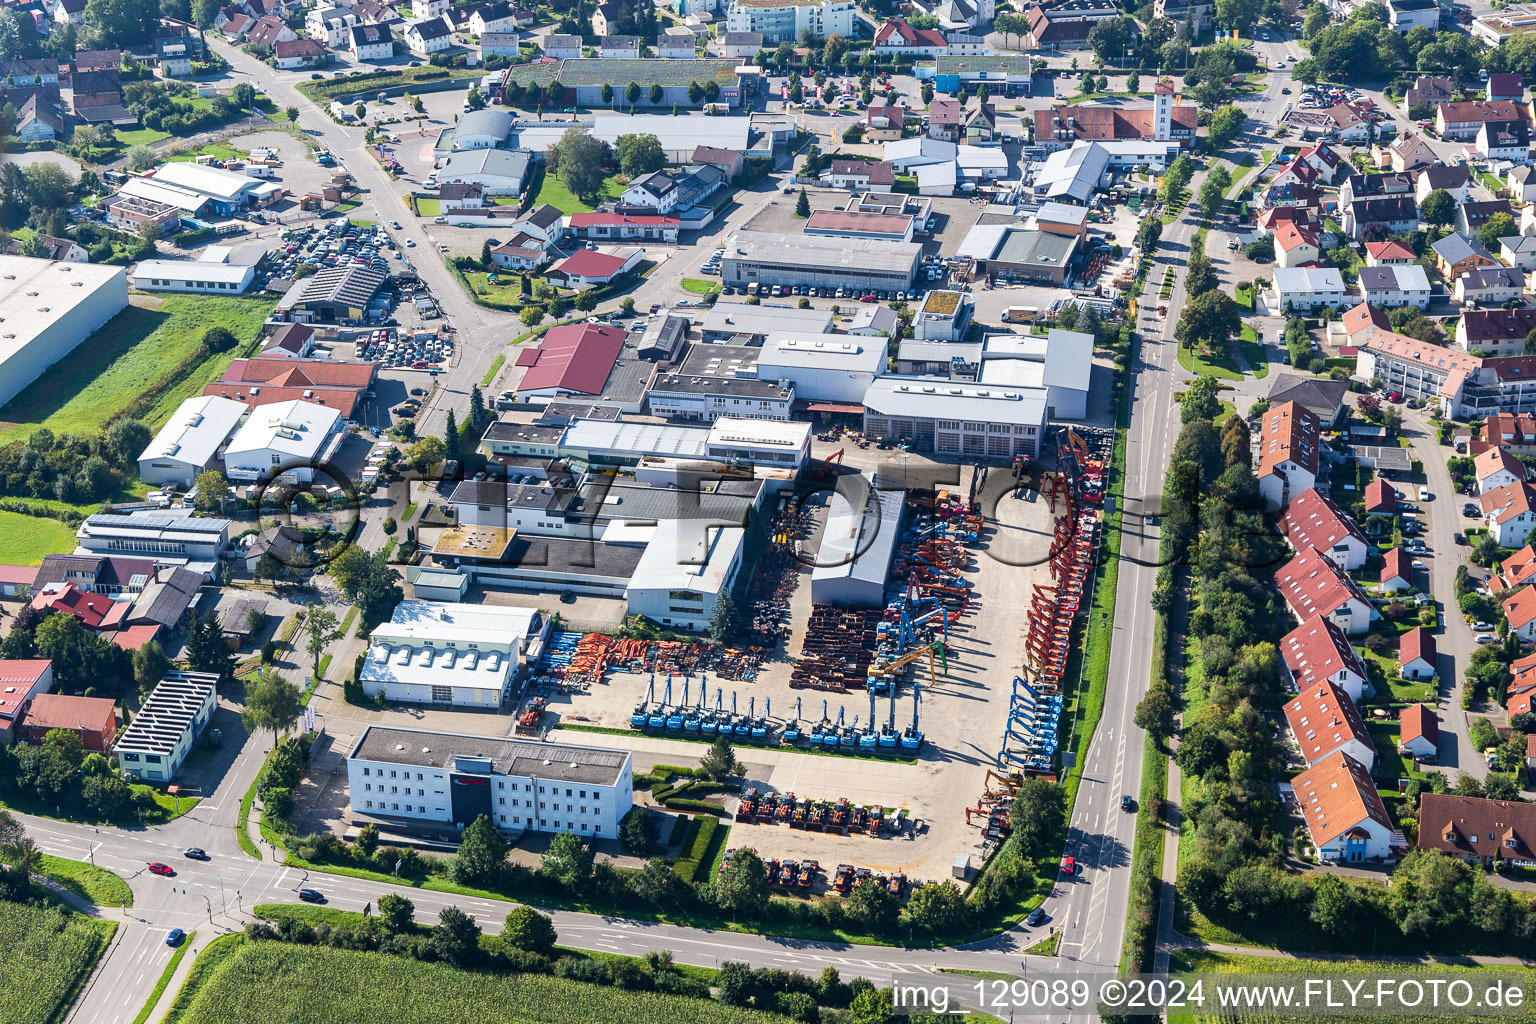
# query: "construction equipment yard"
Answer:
x=977 y=624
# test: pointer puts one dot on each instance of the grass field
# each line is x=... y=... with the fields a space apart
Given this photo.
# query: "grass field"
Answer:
x=428 y=206
x=141 y=137
x=45 y=954
x=137 y=356
x=98 y=885
x=24 y=540
x=262 y=982
x=697 y=285
x=551 y=191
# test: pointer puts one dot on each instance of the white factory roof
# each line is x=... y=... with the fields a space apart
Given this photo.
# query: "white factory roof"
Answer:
x=36 y=294
x=981 y=242
x=297 y=429
x=191 y=270
x=853 y=353
x=195 y=430
x=981 y=157
x=919 y=148
x=740 y=318
x=852 y=255
x=684 y=131
x=507 y=163
x=932 y=176
x=687 y=555
x=780 y=434
x=641 y=438
x=1073 y=172
x=486 y=121
x=858 y=542
x=426 y=622
x=1058 y=359
x=934 y=397
x=164 y=192
x=225 y=186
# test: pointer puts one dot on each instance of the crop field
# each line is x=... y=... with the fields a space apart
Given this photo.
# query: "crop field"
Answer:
x=24 y=539
x=264 y=982
x=44 y=956
x=1211 y=966
x=143 y=361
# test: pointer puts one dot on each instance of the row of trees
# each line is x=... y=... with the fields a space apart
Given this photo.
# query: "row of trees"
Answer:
x=59 y=775
x=82 y=660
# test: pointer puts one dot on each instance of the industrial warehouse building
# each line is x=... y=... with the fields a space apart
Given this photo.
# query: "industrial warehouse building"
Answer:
x=758 y=443
x=464 y=655
x=47 y=308
x=284 y=441
x=853 y=558
x=825 y=368
x=167 y=725
x=149 y=532
x=191 y=441
x=437 y=778
x=687 y=566
x=857 y=263
x=957 y=418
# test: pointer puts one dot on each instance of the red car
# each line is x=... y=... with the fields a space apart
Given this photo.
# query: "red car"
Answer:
x=156 y=868
x=1069 y=866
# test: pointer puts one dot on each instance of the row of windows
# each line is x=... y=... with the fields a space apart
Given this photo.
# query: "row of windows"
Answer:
x=570 y=791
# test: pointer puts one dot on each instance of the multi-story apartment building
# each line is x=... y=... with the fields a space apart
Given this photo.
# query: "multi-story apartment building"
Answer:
x=782 y=21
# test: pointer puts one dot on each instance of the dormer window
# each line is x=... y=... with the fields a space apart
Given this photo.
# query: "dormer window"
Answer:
x=1510 y=843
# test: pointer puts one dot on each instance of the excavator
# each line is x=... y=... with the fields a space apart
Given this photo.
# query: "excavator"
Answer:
x=883 y=676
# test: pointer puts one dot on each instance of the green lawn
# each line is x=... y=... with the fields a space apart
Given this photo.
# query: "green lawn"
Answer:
x=348 y=205
x=1244 y=295
x=551 y=191
x=503 y=293
x=1253 y=352
x=98 y=885
x=261 y=982
x=697 y=285
x=45 y=956
x=212 y=149
x=24 y=539
x=1220 y=366
x=428 y=206
x=142 y=362
x=141 y=137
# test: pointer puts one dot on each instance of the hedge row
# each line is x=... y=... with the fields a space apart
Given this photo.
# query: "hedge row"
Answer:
x=700 y=832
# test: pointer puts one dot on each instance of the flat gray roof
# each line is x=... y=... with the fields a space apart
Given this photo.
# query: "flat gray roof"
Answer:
x=1036 y=249
x=556 y=762
x=856 y=255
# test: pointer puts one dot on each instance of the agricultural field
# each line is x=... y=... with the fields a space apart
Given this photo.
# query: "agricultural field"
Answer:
x=263 y=982
x=145 y=361
x=45 y=954
x=24 y=539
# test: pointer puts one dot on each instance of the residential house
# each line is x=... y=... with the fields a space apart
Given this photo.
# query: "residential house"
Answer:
x=980 y=124
x=1345 y=817
x=858 y=175
x=1509 y=513
x=1307 y=288
x=1396 y=571
x=1495 y=332
x=1519 y=251
x=1460 y=122
x=24 y=680
x=298 y=53
x=944 y=119
x=883 y=123
x=371 y=42
x=1416 y=654
x=430 y=36
x=1505 y=86
x=1418 y=733
x=677 y=43
x=1312 y=584
x=606 y=17
x=1456 y=254
x=1472 y=215
x=93 y=719
x=1520 y=181
x=589 y=268
x=1372 y=220
x=67 y=12
x=1516 y=570
x=1478 y=830
x=495 y=17
x=729 y=161
x=1489 y=286
x=64 y=249
x=1288 y=453
x=522 y=252
x=461 y=195
x=619 y=48
x=1515 y=431
x=330 y=24
x=1311 y=521
x=740 y=44
x=1429 y=89
x=1324 y=721
x=268 y=32
x=1453 y=179
x=1407 y=151
x=1504 y=140
x=1380 y=499
x=561 y=46
x=896 y=36
x=1520 y=611
x=1375 y=186
x=1388 y=254
x=602 y=225
x=1496 y=468
x=656 y=192
x=1397 y=285
x=1318 y=652
x=39 y=119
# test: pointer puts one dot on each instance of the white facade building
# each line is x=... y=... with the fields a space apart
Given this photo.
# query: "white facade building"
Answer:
x=824 y=367
x=156 y=743
x=289 y=438
x=463 y=655
x=1306 y=288
x=685 y=569
x=1402 y=285
x=47 y=308
x=782 y=21
x=191 y=441
x=207 y=277
x=150 y=532
x=439 y=778
x=952 y=418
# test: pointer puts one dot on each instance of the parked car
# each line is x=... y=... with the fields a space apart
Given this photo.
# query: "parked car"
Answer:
x=1486 y=638
x=1036 y=917
x=1483 y=627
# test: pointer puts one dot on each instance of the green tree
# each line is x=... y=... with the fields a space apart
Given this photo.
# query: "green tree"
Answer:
x=871 y=1006
x=937 y=909
x=1500 y=225
x=292 y=114
x=426 y=453
x=482 y=854
x=1038 y=815
x=726 y=623
x=149 y=666
x=320 y=630
x=567 y=860
x=577 y=160
x=213 y=491
x=1213 y=191
x=719 y=762
x=803 y=205
x=740 y=888
x=1209 y=320
x=1438 y=208
x=126 y=438
x=656 y=93
x=206 y=648
x=639 y=831
x=871 y=906
x=656 y=884
x=632 y=93
x=1154 y=714
x=204 y=11
x=639 y=153
x=271 y=702
x=1202 y=400
x=529 y=930
x=397 y=913
x=585 y=300
x=455 y=938
x=695 y=94
x=531 y=316
x=367 y=839
x=451 y=443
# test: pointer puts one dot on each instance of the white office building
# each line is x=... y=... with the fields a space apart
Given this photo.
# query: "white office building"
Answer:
x=151 y=532
x=166 y=727
x=781 y=21
x=460 y=655
x=207 y=277
x=824 y=367
x=1060 y=362
x=286 y=439
x=191 y=441
x=437 y=778
x=47 y=307
x=685 y=569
